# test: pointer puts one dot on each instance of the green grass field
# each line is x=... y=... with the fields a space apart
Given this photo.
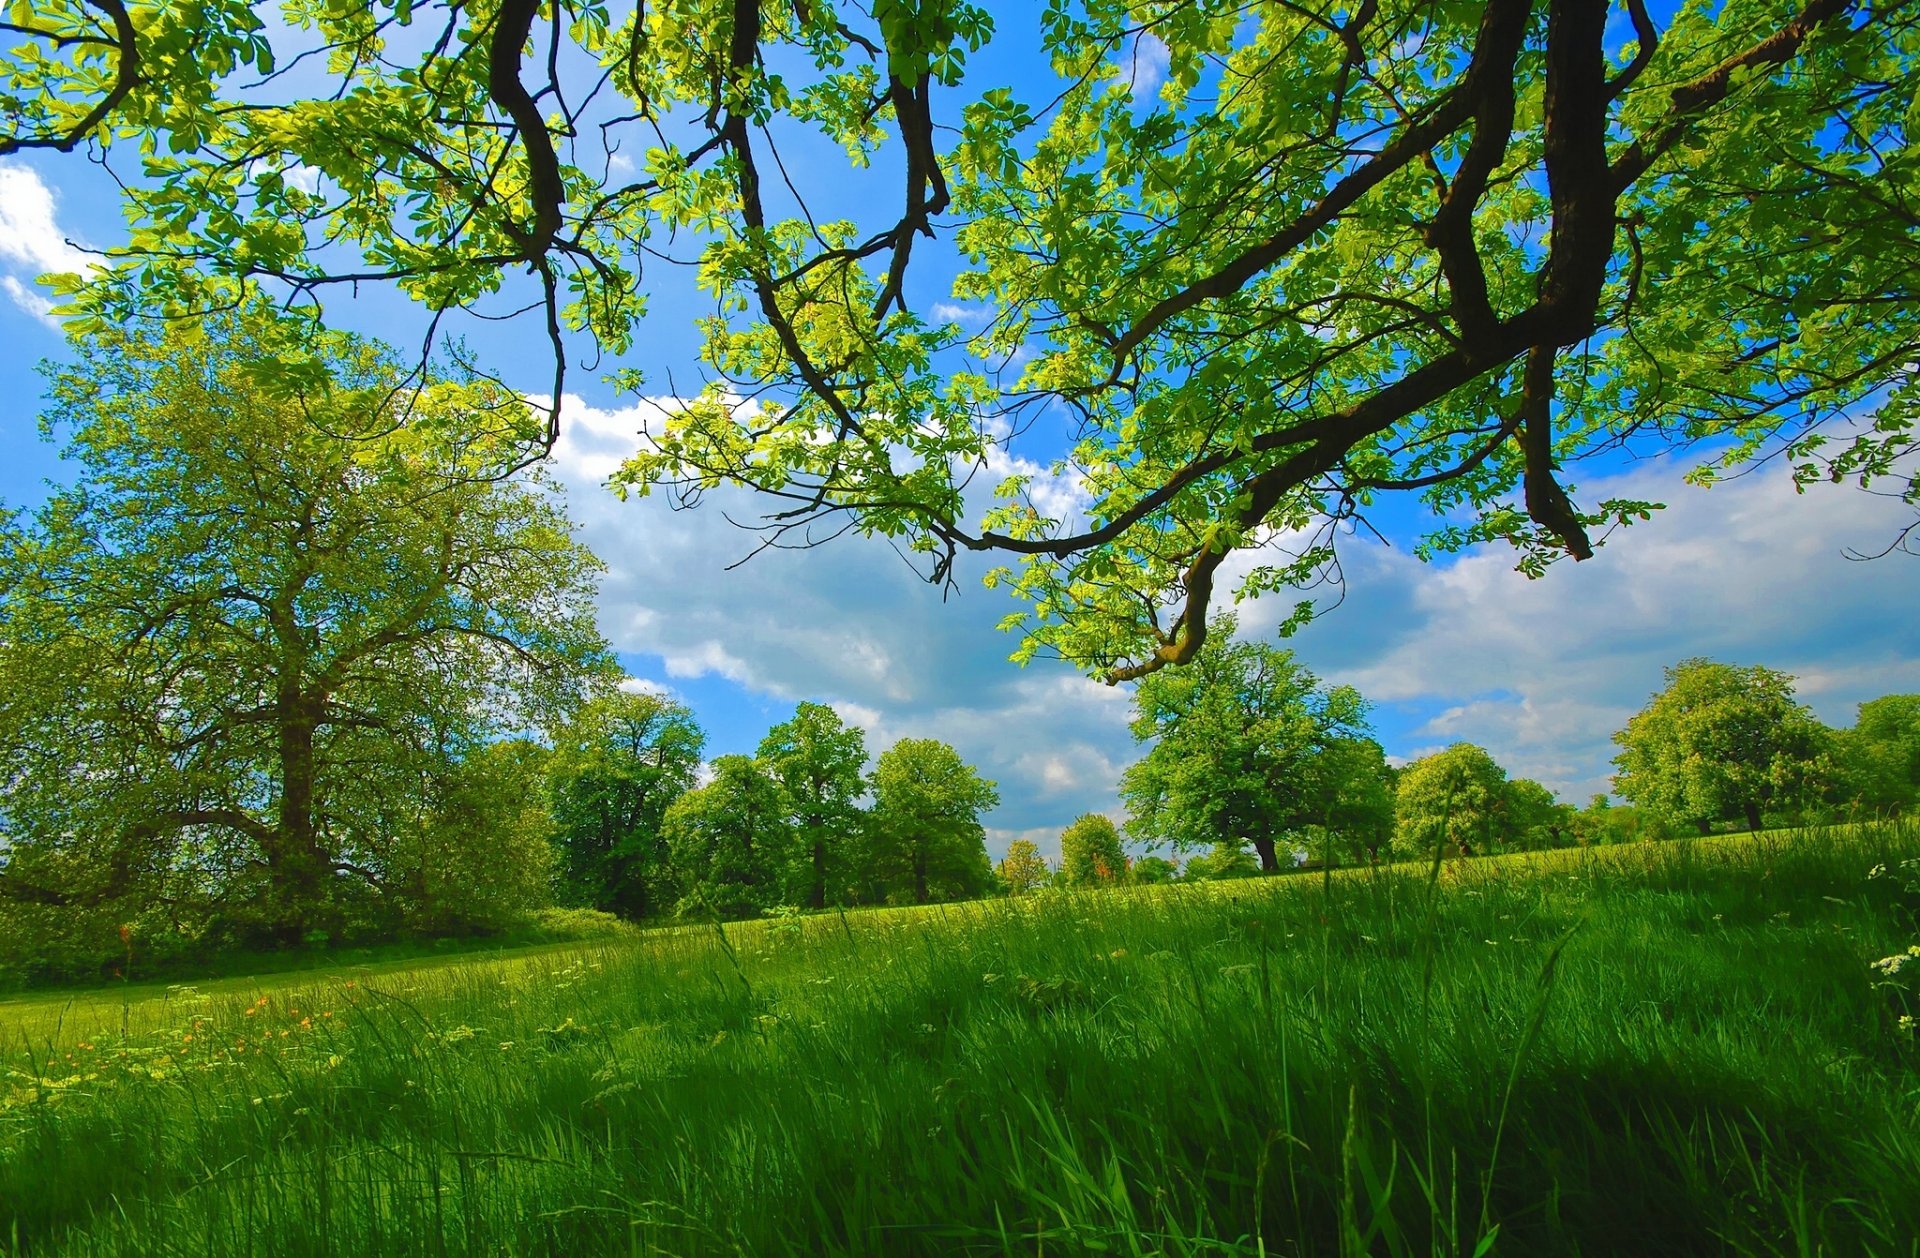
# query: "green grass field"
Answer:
x=1663 y=1049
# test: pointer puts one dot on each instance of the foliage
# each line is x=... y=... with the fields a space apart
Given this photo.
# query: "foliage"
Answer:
x=1023 y=869
x=1334 y=256
x=1225 y=859
x=1722 y=741
x=482 y=859
x=927 y=841
x=1152 y=871
x=1457 y=799
x=730 y=842
x=1090 y=852
x=617 y=767
x=290 y=589
x=1880 y=755
x=1534 y=818
x=1246 y=748
x=820 y=763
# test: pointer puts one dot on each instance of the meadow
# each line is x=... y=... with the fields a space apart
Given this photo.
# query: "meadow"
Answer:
x=1674 y=1048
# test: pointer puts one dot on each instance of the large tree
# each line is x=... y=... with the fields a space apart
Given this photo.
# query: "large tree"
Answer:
x=1090 y=852
x=1722 y=741
x=1880 y=755
x=616 y=768
x=731 y=842
x=820 y=763
x=1332 y=254
x=927 y=842
x=289 y=589
x=1245 y=748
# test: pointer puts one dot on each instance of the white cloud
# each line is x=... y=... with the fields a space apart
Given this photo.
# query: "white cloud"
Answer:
x=28 y=300
x=954 y=312
x=1145 y=65
x=1543 y=672
x=849 y=624
x=29 y=236
x=1540 y=672
x=31 y=241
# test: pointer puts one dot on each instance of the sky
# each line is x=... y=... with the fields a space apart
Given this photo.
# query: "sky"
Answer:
x=1540 y=672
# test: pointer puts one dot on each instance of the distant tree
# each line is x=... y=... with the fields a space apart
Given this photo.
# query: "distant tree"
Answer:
x=290 y=586
x=1226 y=859
x=1534 y=818
x=819 y=762
x=1151 y=871
x=1457 y=797
x=616 y=768
x=1721 y=741
x=1023 y=868
x=730 y=842
x=927 y=840
x=1880 y=755
x=1090 y=852
x=1243 y=748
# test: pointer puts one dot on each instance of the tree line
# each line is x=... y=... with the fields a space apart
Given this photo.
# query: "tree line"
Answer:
x=1254 y=766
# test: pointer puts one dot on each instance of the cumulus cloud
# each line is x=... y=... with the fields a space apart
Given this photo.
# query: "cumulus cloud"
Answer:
x=850 y=624
x=1540 y=672
x=1543 y=672
x=31 y=241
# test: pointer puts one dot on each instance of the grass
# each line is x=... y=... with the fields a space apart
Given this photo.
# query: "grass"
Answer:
x=1665 y=1049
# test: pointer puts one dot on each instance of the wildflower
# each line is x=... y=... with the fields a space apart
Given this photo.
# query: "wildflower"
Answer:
x=306 y=1024
x=251 y=1012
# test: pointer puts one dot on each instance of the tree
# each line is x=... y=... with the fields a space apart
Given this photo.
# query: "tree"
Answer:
x=1023 y=868
x=1243 y=748
x=1457 y=797
x=290 y=589
x=1225 y=859
x=1152 y=871
x=482 y=856
x=1354 y=795
x=927 y=842
x=1720 y=741
x=820 y=762
x=1880 y=755
x=1534 y=818
x=731 y=842
x=1090 y=852
x=1448 y=251
x=617 y=767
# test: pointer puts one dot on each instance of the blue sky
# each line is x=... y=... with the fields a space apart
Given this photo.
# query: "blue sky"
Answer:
x=1539 y=672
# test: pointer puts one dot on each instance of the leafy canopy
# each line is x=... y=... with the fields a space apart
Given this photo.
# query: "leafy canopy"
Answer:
x=1341 y=253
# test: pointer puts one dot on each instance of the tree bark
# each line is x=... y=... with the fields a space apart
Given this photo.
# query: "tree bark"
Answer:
x=1269 y=862
x=1706 y=826
x=1753 y=815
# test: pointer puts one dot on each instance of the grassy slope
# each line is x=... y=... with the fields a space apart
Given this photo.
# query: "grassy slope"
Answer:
x=1348 y=1065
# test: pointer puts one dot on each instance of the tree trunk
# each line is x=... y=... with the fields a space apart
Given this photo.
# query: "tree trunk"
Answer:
x=818 y=899
x=296 y=866
x=1706 y=826
x=1753 y=815
x=1269 y=863
x=919 y=877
